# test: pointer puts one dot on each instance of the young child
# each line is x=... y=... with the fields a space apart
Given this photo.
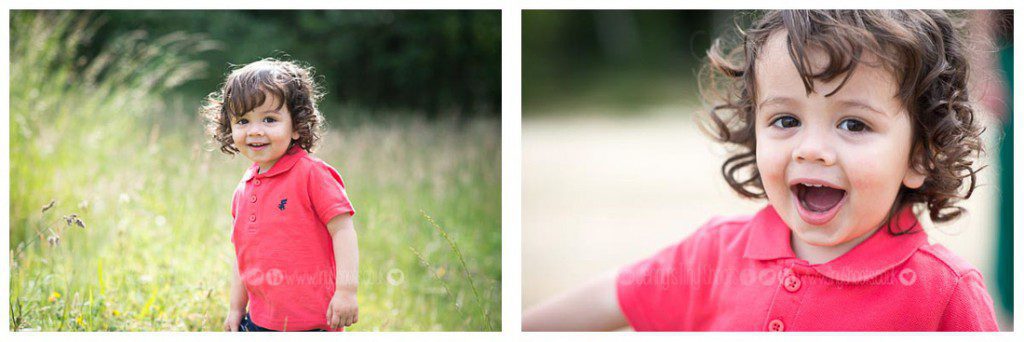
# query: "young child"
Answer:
x=850 y=124
x=294 y=240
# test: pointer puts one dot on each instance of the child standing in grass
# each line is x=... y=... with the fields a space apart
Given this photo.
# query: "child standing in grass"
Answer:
x=850 y=124
x=295 y=244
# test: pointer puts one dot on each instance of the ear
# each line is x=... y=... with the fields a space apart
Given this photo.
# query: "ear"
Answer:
x=914 y=177
x=295 y=134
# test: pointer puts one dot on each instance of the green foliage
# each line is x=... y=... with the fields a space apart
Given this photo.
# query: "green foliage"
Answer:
x=579 y=60
x=430 y=62
x=140 y=202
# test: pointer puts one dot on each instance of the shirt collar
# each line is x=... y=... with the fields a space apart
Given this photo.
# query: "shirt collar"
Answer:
x=283 y=164
x=769 y=239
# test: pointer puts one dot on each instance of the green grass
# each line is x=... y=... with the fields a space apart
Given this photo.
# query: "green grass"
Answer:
x=98 y=139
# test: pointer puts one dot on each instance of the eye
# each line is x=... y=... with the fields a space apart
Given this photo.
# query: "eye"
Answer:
x=785 y=122
x=853 y=125
x=242 y=121
x=269 y=119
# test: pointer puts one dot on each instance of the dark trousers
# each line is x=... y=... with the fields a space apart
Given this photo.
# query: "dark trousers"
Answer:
x=248 y=326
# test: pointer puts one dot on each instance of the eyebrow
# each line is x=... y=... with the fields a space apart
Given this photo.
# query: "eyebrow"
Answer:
x=845 y=103
x=776 y=100
x=861 y=104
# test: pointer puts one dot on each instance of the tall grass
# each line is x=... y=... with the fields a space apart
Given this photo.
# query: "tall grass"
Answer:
x=100 y=140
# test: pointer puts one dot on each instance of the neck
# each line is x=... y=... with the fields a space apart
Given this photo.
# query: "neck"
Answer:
x=822 y=254
x=264 y=168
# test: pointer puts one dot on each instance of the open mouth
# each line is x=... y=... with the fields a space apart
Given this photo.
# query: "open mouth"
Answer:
x=818 y=203
x=258 y=146
x=818 y=198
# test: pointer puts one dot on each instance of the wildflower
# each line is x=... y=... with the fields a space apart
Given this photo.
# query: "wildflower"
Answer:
x=440 y=272
x=54 y=296
x=116 y=313
x=48 y=206
x=54 y=240
x=73 y=219
x=80 y=321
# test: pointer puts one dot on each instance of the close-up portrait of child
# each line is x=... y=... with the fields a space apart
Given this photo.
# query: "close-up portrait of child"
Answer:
x=854 y=131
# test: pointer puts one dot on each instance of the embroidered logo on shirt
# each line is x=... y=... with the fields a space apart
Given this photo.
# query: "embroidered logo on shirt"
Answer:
x=283 y=202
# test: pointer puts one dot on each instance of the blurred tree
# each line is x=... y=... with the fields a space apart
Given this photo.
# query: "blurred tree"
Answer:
x=429 y=62
x=616 y=57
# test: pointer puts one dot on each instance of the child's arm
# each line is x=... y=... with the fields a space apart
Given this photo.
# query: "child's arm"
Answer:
x=591 y=307
x=239 y=299
x=344 y=309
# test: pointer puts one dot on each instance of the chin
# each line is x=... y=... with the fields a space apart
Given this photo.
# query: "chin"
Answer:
x=821 y=236
x=821 y=241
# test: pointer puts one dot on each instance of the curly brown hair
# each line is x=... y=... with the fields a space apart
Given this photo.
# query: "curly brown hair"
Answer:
x=924 y=52
x=247 y=87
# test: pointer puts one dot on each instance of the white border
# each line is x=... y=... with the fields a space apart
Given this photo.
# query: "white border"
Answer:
x=511 y=158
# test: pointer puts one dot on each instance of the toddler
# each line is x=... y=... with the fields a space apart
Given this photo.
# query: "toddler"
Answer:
x=850 y=124
x=295 y=244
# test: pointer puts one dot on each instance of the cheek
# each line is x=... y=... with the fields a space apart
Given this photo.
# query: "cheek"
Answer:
x=876 y=178
x=237 y=136
x=876 y=167
x=771 y=164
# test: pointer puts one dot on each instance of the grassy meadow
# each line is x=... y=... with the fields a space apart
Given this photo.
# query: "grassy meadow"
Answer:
x=120 y=208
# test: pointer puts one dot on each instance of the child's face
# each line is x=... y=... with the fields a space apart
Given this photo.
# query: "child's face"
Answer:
x=264 y=134
x=855 y=144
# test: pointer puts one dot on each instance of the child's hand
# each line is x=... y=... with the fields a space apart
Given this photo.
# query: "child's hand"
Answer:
x=233 y=320
x=343 y=309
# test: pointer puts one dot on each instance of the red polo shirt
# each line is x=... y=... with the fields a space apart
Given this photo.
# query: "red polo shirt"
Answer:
x=284 y=250
x=740 y=274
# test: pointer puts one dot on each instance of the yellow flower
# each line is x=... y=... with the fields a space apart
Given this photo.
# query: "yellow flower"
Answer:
x=80 y=320
x=54 y=296
x=116 y=313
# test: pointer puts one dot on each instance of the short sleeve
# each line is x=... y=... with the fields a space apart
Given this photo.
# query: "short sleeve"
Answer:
x=327 y=193
x=969 y=307
x=657 y=293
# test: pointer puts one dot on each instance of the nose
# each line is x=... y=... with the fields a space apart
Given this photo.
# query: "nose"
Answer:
x=815 y=148
x=255 y=130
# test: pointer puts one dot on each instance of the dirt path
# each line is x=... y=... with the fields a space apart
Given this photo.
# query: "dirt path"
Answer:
x=602 y=191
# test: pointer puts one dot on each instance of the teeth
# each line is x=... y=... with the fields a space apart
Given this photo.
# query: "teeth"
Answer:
x=812 y=185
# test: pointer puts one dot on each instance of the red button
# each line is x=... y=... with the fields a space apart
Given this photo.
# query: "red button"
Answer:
x=257 y=182
x=253 y=199
x=776 y=325
x=252 y=218
x=792 y=283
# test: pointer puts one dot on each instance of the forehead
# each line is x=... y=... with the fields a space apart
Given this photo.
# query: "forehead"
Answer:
x=776 y=75
x=255 y=102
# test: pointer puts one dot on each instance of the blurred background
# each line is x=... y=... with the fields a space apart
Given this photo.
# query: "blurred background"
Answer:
x=432 y=63
x=120 y=206
x=615 y=168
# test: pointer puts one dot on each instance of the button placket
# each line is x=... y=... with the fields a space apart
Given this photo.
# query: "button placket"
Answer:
x=786 y=301
x=251 y=226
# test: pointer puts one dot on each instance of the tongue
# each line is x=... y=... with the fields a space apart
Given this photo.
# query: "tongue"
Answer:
x=822 y=198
